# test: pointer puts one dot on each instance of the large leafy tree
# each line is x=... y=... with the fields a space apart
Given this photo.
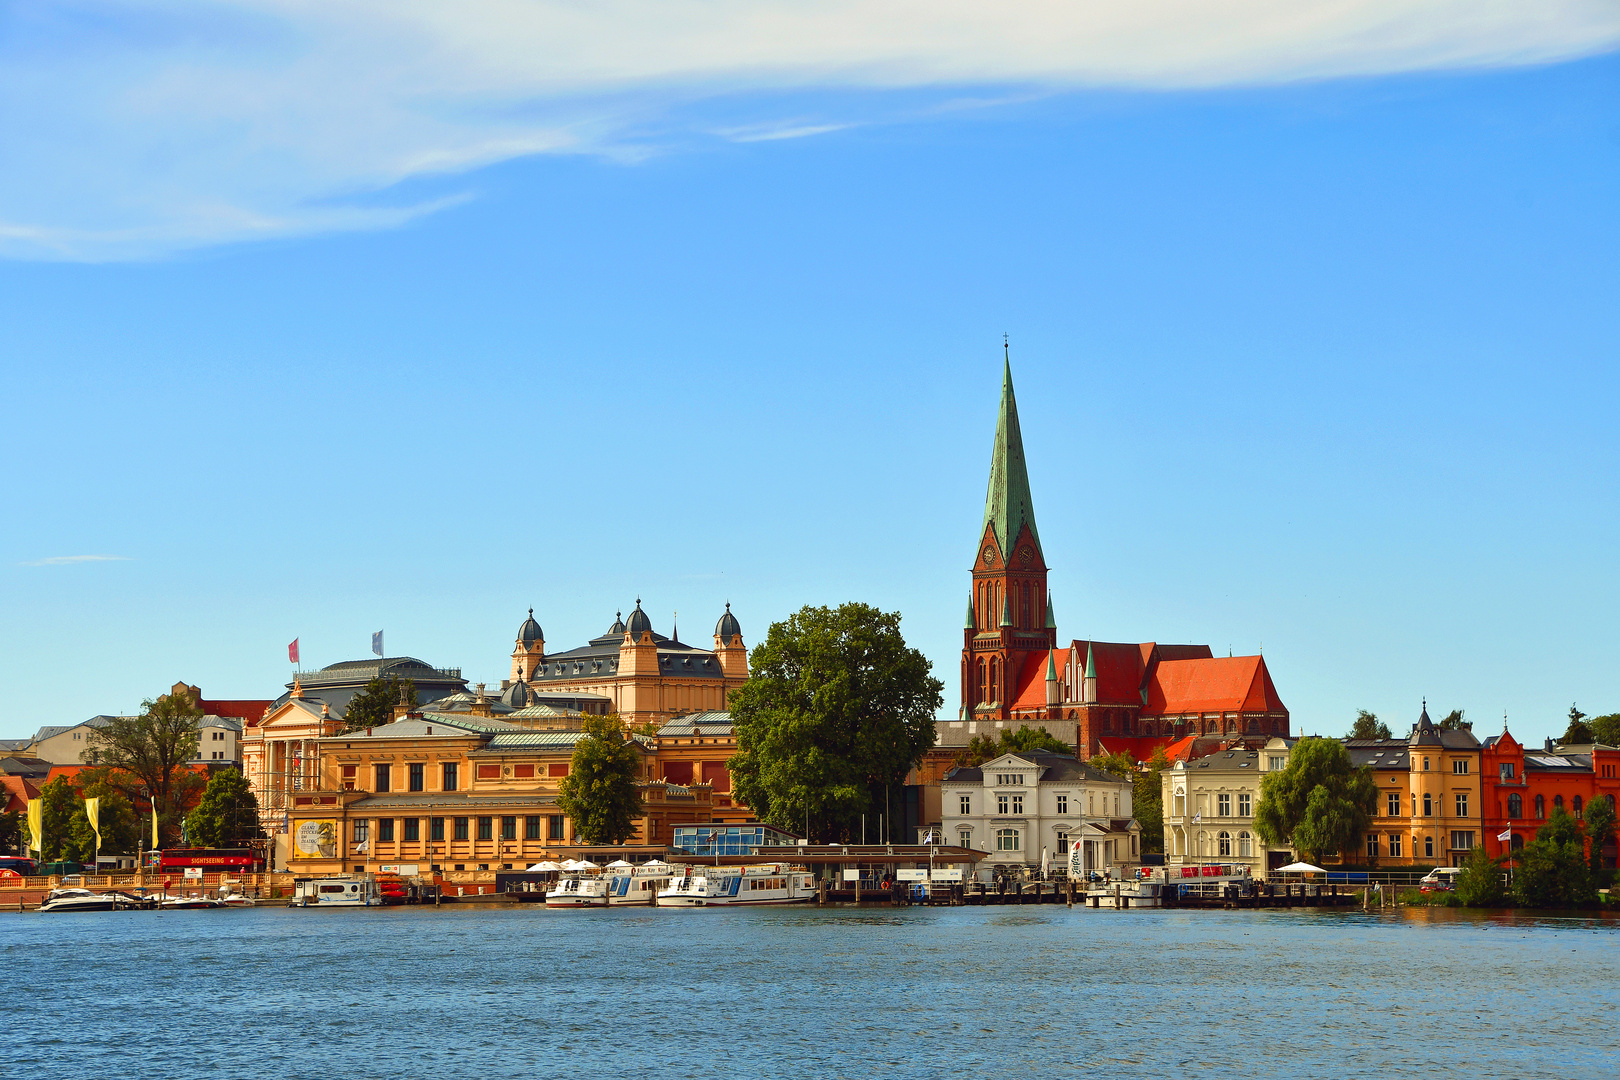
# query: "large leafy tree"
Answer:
x=154 y=749
x=1552 y=870
x=1599 y=829
x=120 y=824
x=1577 y=733
x=59 y=801
x=1026 y=739
x=227 y=814
x=599 y=793
x=1320 y=804
x=1606 y=729
x=837 y=709
x=1368 y=726
x=374 y=705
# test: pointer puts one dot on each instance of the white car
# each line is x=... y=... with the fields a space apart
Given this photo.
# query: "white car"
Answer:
x=1440 y=879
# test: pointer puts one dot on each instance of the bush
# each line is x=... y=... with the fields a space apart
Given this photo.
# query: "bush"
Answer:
x=1480 y=883
x=1552 y=871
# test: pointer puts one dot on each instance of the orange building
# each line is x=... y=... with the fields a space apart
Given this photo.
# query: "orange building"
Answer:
x=1523 y=786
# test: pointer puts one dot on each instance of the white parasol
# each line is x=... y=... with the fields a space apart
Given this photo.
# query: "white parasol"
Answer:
x=1300 y=868
x=620 y=864
x=543 y=868
x=586 y=864
x=570 y=864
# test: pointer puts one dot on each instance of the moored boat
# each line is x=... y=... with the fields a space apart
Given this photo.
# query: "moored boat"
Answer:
x=59 y=900
x=339 y=891
x=579 y=891
x=770 y=883
x=638 y=884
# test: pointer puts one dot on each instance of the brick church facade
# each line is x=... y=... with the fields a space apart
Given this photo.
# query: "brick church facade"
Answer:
x=1098 y=696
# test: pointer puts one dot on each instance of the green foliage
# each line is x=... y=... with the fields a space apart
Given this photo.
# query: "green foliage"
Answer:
x=837 y=707
x=120 y=824
x=1147 y=800
x=1551 y=871
x=59 y=801
x=1452 y=721
x=1599 y=829
x=1577 y=733
x=1026 y=739
x=11 y=831
x=227 y=814
x=1606 y=729
x=1320 y=804
x=1480 y=883
x=1368 y=726
x=374 y=705
x=154 y=749
x=599 y=793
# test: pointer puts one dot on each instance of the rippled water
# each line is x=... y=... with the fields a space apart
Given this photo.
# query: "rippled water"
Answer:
x=802 y=992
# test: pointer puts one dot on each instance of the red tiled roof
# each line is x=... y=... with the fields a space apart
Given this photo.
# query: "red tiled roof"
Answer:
x=69 y=771
x=1218 y=684
x=17 y=791
x=1030 y=688
x=246 y=710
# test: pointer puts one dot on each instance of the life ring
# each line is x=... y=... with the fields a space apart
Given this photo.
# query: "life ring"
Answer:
x=885 y=883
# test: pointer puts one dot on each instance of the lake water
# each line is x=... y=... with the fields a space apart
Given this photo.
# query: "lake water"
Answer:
x=807 y=993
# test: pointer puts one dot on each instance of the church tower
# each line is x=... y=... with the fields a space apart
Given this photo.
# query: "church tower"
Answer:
x=1009 y=630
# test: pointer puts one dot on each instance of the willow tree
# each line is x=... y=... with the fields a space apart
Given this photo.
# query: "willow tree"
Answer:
x=1320 y=804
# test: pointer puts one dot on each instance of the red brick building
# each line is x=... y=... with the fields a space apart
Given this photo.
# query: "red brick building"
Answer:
x=1523 y=786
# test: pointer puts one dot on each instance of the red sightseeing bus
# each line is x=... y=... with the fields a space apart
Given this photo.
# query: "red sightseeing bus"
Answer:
x=241 y=860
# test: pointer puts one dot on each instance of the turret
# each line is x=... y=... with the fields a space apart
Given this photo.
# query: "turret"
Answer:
x=728 y=646
x=529 y=651
x=1088 y=691
x=1053 y=694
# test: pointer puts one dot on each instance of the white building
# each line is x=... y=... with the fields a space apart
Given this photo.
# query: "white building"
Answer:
x=1209 y=808
x=1022 y=806
x=219 y=739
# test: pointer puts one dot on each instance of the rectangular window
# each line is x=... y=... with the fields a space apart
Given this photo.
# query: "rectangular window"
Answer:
x=436 y=830
x=1394 y=806
x=1507 y=770
x=1063 y=843
x=486 y=828
x=1462 y=841
x=383 y=775
x=417 y=783
x=523 y=772
x=1277 y=763
x=449 y=770
x=1245 y=805
x=489 y=772
x=1395 y=845
x=1062 y=806
x=1001 y=805
x=461 y=828
x=1462 y=804
x=1017 y=804
x=1223 y=805
x=1006 y=839
x=385 y=830
x=531 y=827
x=1428 y=805
x=967 y=804
x=556 y=827
x=362 y=832
x=509 y=828
x=349 y=777
x=413 y=830
x=1459 y=766
x=1372 y=845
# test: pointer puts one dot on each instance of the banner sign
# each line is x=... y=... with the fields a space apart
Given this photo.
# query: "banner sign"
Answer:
x=193 y=873
x=852 y=875
x=950 y=875
x=315 y=840
x=910 y=875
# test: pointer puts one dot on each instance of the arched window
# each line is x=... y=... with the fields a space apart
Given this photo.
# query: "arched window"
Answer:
x=1575 y=806
x=1223 y=842
x=1245 y=845
x=1541 y=808
x=1515 y=806
x=994 y=684
x=1518 y=842
x=1558 y=803
x=982 y=698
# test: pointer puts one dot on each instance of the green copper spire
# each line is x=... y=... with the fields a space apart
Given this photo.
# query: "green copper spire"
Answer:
x=1007 y=506
x=972 y=619
x=1051 y=616
x=1051 y=665
x=1006 y=612
x=1091 y=663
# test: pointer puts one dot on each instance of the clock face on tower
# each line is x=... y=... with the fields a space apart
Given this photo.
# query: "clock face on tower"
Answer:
x=1026 y=555
x=989 y=554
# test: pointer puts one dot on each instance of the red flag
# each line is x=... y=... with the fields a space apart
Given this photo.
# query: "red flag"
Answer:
x=292 y=652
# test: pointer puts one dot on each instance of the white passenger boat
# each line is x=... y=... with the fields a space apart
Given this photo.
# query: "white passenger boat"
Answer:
x=579 y=892
x=638 y=884
x=59 y=900
x=340 y=891
x=771 y=883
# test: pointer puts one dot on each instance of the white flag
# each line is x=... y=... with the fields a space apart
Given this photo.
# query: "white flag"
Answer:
x=1506 y=837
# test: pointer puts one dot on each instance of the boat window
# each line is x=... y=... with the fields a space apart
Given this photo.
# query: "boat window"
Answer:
x=332 y=888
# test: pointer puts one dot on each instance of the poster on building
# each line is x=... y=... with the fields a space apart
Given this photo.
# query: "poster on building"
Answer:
x=315 y=840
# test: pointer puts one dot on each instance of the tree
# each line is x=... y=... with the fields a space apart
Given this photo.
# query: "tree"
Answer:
x=837 y=709
x=120 y=824
x=1147 y=796
x=1452 y=721
x=1606 y=729
x=1552 y=870
x=1480 y=883
x=11 y=833
x=154 y=749
x=1026 y=739
x=228 y=813
x=599 y=793
x=1599 y=830
x=1320 y=804
x=1368 y=726
x=58 y=801
x=1577 y=734
x=374 y=705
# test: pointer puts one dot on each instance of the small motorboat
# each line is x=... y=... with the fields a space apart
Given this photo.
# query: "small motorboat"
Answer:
x=579 y=892
x=176 y=903
x=85 y=900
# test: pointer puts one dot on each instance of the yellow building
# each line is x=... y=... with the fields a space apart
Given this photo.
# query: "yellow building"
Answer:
x=1209 y=807
x=1429 y=796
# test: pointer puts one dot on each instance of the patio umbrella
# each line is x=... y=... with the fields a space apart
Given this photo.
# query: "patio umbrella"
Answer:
x=1300 y=868
x=547 y=867
x=620 y=864
x=570 y=864
x=586 y=864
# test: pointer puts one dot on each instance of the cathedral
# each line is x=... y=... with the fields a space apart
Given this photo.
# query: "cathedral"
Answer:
x=1098 y=696
x=635 y=671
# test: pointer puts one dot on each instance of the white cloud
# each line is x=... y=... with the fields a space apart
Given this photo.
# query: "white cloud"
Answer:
x=138 y=127
x=69 y=560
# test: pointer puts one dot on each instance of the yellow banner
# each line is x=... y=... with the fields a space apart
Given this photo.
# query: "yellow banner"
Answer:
x=92 y=810
x=154 y=825
x=36 y=826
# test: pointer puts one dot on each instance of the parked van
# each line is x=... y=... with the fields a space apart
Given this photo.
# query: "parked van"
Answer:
x=1440 y=879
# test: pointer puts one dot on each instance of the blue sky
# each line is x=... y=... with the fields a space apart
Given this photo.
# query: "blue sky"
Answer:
x=1314 y=345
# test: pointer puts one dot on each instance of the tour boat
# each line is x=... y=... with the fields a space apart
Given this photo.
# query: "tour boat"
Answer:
x=336 y=892
x=579 y=892
x=639 y=884
x=85 y=900
x=771 y=883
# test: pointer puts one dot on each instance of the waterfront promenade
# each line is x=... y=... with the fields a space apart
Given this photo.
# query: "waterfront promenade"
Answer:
x=840 y=992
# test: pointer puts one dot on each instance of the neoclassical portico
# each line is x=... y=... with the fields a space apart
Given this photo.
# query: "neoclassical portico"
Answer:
x=280 y=754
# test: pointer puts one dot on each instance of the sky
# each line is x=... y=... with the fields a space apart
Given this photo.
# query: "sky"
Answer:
x=317 y=320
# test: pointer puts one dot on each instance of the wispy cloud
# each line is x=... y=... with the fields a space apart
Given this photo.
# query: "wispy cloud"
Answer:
x=133 y=129
x=70 y=560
